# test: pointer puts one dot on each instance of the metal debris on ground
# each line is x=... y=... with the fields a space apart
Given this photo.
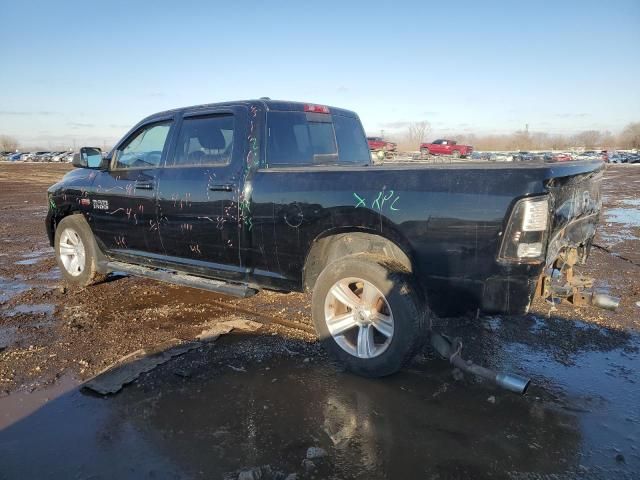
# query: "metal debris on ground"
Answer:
x=126 y=369
x=131 y=366
x=222 y=328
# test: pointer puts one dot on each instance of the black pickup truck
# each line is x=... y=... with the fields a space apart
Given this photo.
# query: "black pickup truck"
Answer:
x=235 y=197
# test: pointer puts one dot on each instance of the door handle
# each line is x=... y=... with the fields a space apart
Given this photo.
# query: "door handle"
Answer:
x=143 y=186
x=226 y=187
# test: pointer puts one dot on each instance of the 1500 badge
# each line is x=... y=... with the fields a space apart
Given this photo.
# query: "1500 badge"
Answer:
x=100 y=204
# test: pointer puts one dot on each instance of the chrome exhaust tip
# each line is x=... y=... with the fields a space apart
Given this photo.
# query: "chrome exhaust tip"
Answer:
x=451 y=351
x=605 y=301
x=512 y=382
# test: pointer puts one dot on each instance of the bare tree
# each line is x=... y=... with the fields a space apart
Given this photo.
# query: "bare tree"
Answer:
x=588 y=139
x=8 y=144
x=630 y=136
x=416 y=134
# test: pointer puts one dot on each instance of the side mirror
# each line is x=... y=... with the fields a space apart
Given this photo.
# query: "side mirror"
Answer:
x=88 y=157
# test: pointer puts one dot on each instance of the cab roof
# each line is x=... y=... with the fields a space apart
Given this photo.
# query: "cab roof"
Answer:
x=264 y=103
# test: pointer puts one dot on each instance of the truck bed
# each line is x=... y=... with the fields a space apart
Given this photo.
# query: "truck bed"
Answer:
x=449 y=216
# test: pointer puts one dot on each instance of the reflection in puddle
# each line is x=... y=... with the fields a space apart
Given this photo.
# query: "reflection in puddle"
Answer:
x=420 y=423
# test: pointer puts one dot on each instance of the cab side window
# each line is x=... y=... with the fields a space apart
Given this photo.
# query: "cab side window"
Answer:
x=144 y=149
x=205 y=141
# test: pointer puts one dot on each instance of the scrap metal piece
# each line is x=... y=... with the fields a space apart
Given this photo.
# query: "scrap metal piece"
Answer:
x=222 y=328
x=131 y=366
x=126 y=369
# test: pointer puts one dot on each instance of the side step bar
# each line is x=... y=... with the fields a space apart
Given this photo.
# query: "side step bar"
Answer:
x=178 y=278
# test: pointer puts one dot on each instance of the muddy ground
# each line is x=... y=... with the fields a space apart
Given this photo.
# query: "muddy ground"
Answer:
x=251 y=405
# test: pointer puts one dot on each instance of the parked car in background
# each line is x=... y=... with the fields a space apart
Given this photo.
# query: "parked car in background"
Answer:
x=15 y=157
x=446 y=147
x=379 y=144
x=40 y=157
x=562 y=157
x=59 y=156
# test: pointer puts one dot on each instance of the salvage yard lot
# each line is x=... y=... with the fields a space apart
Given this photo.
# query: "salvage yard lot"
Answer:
x=257 y=402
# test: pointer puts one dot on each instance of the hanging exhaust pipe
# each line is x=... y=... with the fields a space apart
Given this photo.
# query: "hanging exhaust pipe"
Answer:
x=451 y=351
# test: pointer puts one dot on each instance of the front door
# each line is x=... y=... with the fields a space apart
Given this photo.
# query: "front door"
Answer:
x=200 y=206
x=123 y=204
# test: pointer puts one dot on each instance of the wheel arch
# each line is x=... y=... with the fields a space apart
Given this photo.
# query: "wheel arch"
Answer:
x=59 y=216
x=56 y=216
x=341 y=242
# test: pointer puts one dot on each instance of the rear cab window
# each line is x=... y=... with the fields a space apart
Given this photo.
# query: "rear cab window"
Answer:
x=307 y=138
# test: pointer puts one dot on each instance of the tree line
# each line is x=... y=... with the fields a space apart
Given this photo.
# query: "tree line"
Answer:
x=418 y=132
x=524 y=140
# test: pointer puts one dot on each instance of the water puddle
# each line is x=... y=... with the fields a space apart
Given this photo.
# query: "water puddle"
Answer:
x=19 y=405
x=9 y=288
x=628 y=215
x=53 y=274
x=46 y=309
x=217 y=421
x=29 y=261
x=7 y=336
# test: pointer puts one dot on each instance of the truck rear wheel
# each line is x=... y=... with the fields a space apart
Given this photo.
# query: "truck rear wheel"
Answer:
x=76 y=252
x=368 y=315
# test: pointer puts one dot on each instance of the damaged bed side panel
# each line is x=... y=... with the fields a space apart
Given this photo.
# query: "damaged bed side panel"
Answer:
x=576 y=203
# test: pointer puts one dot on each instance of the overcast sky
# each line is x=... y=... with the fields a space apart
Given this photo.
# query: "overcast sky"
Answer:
x=86 y=71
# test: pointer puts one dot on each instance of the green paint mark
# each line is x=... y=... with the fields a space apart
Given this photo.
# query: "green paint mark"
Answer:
x=387 y=197
x=393 y=203
x=377 y=202
x=360 y=200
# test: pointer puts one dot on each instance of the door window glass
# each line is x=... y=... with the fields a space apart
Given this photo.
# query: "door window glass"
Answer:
x=144 y=150
x=205 y=141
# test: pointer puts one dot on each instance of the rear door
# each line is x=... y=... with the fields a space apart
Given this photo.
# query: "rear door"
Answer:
x=200 y=198
x=436 y=147
x=123 y=207
x=297 y=140
x=445 y=147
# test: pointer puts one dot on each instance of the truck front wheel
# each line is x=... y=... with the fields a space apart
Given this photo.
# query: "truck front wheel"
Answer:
x=76 y=251
x=368 y=315
x=456 y=154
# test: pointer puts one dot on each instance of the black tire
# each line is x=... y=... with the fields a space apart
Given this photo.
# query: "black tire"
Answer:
x=456 y=154
x=409 y=312
x=87 y=270
x=424 y=152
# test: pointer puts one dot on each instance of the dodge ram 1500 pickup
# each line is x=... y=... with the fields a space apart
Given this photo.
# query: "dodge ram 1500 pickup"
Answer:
x=241 y=196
